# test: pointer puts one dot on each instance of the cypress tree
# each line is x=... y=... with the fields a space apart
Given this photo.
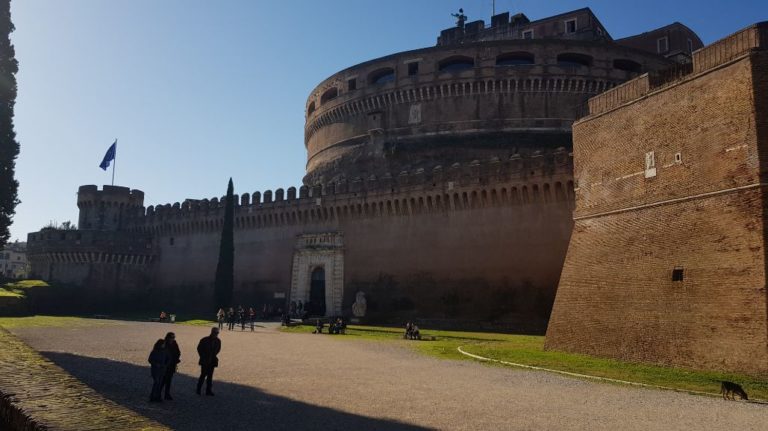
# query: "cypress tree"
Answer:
x=225 y=270
x=9 y=148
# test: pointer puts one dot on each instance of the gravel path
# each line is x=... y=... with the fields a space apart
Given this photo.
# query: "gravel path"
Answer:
x=270 y=380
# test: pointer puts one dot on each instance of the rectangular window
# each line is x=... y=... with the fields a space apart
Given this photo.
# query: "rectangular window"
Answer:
x=690 y=45
x=528 y=34
x=677 y=274
x=413 y=68
x=352 y=84
x=570 y=26
x=662 y=45
x=171 y=241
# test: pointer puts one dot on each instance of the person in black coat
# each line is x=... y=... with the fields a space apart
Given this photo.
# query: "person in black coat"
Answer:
x=158 y=359
x=174 y=357
x=208 y=348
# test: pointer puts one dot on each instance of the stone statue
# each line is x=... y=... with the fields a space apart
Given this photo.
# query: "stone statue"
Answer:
x=460 y=18
x=359 y=307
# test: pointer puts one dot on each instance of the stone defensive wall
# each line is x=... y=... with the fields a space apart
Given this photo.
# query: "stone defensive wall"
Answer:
x=482 y=240
x=113 y=266
x=667 y=261
x=389 y=113
x=536 y=178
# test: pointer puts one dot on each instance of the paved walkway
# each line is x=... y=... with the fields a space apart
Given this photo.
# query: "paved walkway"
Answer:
x=36 y=394
x=270 y=380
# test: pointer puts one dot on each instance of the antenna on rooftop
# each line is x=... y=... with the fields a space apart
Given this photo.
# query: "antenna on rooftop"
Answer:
x=493 y=10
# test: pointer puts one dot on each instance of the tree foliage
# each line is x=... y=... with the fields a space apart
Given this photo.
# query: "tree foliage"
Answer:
x=225 y=270
x=9 y=148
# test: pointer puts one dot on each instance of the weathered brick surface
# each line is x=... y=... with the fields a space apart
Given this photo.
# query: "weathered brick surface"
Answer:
x=35 y=394
x=704 y=214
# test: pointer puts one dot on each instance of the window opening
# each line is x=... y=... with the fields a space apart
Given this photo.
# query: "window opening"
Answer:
x=677 y=274
x=570 y=26
x=413 y=68
x=662 y=45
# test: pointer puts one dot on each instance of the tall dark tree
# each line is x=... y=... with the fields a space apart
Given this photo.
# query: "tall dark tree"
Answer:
x=225 y=270
x=9 y=148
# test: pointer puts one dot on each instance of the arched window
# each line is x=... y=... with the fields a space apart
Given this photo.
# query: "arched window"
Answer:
x=571 y=59
x=329 y=95
x=456 y=63
x=381 y=76
x=311 y=108
x=515 y=59
x=627 y=65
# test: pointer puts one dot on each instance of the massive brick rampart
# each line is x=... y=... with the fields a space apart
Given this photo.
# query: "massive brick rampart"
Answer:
x=667 y=260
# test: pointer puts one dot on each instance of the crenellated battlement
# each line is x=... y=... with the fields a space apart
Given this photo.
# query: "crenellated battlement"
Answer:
x=533 y=179
x=107 y=209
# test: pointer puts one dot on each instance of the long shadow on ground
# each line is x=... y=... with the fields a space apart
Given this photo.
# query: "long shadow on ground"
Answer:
x=235 y=407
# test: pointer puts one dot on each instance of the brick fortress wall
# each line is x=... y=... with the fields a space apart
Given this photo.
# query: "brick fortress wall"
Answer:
x=433 y=242
x=667 y=260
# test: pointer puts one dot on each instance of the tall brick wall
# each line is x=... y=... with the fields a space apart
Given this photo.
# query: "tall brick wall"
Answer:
x=702 y=213
x=494 y=254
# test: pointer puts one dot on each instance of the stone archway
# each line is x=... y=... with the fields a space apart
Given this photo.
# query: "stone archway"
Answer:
x=315 y=252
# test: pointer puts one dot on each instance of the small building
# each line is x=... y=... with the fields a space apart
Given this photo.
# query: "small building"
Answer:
x=13 y=261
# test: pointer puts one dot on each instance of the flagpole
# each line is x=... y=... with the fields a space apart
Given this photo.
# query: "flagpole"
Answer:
x=114 y=162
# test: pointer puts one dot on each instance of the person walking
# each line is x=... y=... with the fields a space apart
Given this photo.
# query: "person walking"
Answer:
x=252 y=317
x=158 y=360
x=220 y=316
x=241 y=317
x=231 y=319
x=174 y=357
x=208 y=348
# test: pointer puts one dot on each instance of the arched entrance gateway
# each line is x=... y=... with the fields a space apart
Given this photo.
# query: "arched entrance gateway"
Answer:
x=317 y=292
x=318 y=273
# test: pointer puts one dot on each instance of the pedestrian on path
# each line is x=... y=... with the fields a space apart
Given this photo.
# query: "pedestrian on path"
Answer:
x=174 y=357
x=158 y=360
x=208 y=348
x=220 y=316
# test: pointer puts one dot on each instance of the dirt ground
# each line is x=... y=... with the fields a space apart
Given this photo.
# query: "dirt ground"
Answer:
x=269 y=380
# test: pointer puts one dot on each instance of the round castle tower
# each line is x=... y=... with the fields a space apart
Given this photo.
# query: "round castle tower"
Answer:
x=510 y=89
x=109 y=208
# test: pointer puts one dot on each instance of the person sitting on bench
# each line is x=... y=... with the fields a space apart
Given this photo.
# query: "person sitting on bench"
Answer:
x=318 y=327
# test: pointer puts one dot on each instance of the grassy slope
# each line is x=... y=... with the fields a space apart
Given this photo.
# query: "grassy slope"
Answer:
x=529 y=350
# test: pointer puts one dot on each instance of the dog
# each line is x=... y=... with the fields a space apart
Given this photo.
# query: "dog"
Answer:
x=730 y=388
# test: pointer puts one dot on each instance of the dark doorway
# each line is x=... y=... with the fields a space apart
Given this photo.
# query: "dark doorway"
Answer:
x=317 y=292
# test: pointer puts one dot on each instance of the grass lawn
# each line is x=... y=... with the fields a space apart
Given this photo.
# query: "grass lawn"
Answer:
x=42 y=321
x=25 y=284
x=529 y=350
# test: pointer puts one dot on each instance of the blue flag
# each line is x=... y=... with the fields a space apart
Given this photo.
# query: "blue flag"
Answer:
x=109 y=156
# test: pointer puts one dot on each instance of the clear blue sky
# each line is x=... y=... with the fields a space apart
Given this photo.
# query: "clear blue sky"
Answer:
x=198 y=91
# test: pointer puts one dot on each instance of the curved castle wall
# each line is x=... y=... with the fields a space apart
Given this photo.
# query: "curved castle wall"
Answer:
x=459 y=102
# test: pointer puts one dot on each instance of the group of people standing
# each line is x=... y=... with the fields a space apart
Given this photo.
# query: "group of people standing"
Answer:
x=166 y=356
x=234 y=318
x=164 y=359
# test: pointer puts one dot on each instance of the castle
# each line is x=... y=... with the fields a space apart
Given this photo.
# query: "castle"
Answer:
x=440 y=182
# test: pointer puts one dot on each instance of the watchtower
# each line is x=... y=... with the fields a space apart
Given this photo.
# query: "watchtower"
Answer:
x=109 y=208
